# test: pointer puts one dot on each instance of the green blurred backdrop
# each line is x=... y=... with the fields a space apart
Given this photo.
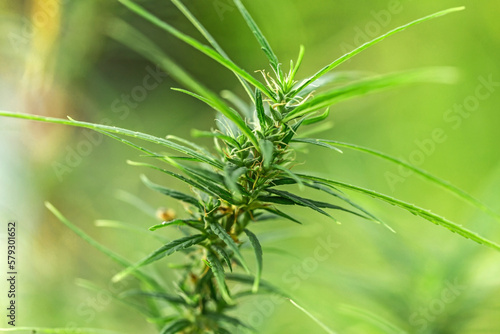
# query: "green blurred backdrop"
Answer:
x=57 y=60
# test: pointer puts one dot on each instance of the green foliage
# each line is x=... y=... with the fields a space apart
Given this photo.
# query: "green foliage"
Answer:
x=248 y=175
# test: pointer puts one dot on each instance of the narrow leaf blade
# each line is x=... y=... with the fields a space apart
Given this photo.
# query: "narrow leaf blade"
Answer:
x=258 y=256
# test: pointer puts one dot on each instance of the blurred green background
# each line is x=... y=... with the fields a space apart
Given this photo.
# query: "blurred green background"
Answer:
x=57 y=60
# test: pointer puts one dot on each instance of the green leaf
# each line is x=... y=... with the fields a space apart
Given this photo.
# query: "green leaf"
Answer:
x=370 y=85
x=222 y=318
x=165 y=250
x=115 y=257
x=135 y=202
x=267 y=149
x=261 y=113
x=208 y=101
x=273 y=60
x=231 y=177
x=292 y=131
x=438 y=181
x=171 y=193
x=222 y=252
x=323 y=205
x=224 y=236
x=281 y=214
x=121 y=131
x=317 y=119
x=175 y=326
x=247 y=279
x=315 y=319
x=197 y=45
x=367 y=316
x=176 y=300
x=141 y=44
x=297 y=64
x=351 y=54
x=210 y=39
x=194 y=146
x=222 y=330
x=211 y=181
x=290 y=174
x=218 y=272
x=329 y=189
x=178 y=222
x=117 y=297
x=276 y=200
x=258 y=256
x=316 y=142
x=209 y=134
x=301 y=201
x=188 y=181
x=238 y=103
x=427 y=215
x=129 y=227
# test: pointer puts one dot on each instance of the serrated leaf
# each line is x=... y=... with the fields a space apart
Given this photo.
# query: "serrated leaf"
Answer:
x=292 y=131
x=316 y=142
x=238 y=103
x=224 y=236
x=222 y=318
x=261 y=113
x=322 y=205
x=300 y=201
x=176 y=326
x=171 y=193
x=165 y=250
x=121 y=131
x=315 y=319
x=137 y=306
x=351 y=54
x=258 y=256
x=273 y=60
x=219 y=275
x=210 y=134
x=197 y=45
x=223 y=254
x=276 y=200
x=222 y=330
x=329 y=190
x=155 y=295
x=317 y=119
x=247 y=279
x=211 y=181
x=281 y=214
x=290 y=174
x=267 y=149
x=436 y=180
x=231 y=177
x=115 y=257
x=365 y=86
x=205 y=100
x=211 y=40
x=129 y=227
x=124 y=33
x=188 y=222
x=293 y=71
x=175 y=175
x=427 y=215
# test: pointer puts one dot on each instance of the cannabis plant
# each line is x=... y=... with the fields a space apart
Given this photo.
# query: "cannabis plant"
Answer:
x=249 y=175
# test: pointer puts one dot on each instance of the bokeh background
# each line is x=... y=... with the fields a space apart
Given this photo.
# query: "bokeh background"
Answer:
x=57 y=60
